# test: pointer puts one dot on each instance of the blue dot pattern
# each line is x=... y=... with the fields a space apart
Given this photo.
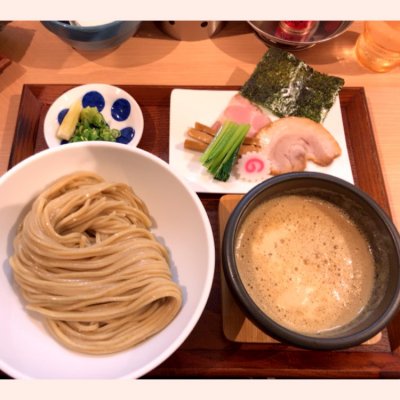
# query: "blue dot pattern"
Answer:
x=121 y=109
x=93 y=99
x=61 y=115
x=127 y=135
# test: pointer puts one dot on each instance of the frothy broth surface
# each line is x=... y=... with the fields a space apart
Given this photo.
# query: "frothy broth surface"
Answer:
x=305 y=263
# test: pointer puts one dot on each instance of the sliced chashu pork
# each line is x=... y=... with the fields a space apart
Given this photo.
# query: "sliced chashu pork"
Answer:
x=242 y=111
x=289 y=142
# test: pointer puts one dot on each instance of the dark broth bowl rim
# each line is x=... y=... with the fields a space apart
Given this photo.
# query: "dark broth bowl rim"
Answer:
x=250 y=308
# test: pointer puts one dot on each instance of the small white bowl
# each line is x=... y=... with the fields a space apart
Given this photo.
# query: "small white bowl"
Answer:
x=119 y=108
x=26 y=349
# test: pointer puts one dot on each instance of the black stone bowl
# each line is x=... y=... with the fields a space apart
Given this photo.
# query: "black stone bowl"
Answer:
x=383 y=238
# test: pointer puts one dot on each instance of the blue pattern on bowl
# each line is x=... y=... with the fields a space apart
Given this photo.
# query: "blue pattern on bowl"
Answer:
x=127 y=134
x=93 y=99
x=121 y=109
x=61 y=115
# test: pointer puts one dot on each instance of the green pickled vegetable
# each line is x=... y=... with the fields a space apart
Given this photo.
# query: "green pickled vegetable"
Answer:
x=287 y=86
x=221 y=154
x=91 y=116
x=92 y=126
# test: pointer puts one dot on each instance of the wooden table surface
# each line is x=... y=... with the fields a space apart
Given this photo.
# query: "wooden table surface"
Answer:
x=152 y=58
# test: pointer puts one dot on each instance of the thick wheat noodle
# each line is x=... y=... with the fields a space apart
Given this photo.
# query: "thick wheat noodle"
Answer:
x=85 y=259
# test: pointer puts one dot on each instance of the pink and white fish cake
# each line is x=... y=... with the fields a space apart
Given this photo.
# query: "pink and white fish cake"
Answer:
x=253 y=167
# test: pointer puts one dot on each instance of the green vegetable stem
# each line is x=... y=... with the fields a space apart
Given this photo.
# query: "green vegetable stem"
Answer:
x=221 y=154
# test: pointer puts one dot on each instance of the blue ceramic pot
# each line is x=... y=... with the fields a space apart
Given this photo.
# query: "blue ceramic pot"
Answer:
x=93 y=38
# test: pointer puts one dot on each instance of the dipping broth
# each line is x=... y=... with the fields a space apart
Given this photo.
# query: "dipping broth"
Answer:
x=304 y=263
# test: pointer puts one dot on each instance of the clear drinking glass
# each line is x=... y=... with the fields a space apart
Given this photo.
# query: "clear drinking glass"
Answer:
x=378 y=47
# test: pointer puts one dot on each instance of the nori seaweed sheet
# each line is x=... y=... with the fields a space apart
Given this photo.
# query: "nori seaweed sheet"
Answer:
x=287 y=86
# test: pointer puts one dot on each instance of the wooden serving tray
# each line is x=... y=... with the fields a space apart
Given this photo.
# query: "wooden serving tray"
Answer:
x=207 y=353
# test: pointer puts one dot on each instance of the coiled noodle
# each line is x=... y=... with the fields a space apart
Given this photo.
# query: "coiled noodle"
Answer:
x=85 y=259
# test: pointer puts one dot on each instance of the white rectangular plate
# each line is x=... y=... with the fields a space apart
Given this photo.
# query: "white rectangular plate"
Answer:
x=188 y=106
